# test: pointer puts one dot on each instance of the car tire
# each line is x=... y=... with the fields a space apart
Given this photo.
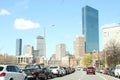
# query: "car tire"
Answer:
x=26 y=78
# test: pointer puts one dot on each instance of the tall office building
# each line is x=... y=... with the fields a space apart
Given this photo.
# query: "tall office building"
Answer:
x=90 y=28
x=60 y=51
x=79 y=46
x=18 y=47
x=28 y=50
x=41 y=46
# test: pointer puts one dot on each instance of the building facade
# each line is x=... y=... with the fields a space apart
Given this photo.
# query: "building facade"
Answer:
x=111 y=33
x=28 y=50
x=90 y=28
x=79 y=46
x=41 y=46
x=7 y=59
x=60 y=51
x=18 y=47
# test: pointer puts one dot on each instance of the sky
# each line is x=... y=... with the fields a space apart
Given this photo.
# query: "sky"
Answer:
x=62 y=19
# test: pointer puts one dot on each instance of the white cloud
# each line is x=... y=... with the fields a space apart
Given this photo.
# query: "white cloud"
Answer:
x=4 y=12
x=23 y=24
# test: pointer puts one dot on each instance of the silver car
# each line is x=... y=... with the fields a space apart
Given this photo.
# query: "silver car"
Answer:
x=11 y=72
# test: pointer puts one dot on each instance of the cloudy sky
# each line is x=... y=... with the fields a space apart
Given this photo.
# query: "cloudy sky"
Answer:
x=26 y=19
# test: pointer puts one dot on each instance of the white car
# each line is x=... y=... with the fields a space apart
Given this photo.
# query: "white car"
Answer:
x=117 y=70
x=56 y=70
x=11 y=72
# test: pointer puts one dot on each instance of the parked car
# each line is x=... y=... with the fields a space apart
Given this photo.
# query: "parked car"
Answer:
x=11 y=72
x=111 y=71
x=56 y=70
x=84 y=69
x=106 y=71
x=48 y=72
x=90 y=70
x=78 y=68
x=63 y=71
x=101 y=70
x=35 y=71
x=117 y=70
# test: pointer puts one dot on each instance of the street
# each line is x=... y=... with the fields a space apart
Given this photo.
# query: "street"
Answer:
x=81 y=75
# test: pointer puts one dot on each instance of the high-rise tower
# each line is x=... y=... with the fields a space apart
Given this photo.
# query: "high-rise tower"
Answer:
x=90 y=28
x=60 y=51
x=18 y=47
x=41 y=46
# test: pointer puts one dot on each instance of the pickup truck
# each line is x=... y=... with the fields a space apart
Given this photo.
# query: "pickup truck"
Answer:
x=35 y=72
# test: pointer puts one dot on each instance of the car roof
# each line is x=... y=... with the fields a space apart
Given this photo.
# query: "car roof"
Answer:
x=4 y=65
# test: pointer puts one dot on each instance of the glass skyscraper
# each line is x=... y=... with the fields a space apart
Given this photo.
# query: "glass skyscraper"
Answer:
x=90 y=28
x=18 y=47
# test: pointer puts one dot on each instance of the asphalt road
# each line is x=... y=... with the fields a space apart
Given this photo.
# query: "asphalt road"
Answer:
x=81 y=75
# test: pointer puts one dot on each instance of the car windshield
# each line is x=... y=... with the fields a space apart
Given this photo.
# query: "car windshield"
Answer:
x=53 y=67
x=32 y=67
x=90 y=68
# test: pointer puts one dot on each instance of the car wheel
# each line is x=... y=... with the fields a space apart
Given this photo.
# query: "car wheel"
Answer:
x=45 y=78
x=26 y=78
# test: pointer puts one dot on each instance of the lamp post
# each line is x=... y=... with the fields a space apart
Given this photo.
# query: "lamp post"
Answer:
x=45 y=41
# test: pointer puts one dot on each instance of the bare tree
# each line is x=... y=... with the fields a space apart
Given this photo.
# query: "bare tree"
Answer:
x=112 y=53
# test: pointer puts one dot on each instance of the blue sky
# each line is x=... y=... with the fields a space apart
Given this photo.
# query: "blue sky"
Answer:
x=34 y=15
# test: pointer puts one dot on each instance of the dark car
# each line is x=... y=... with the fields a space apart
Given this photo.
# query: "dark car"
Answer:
x=90 y=70
x=84 y=69
x=35 y=71
x=48 y=72
x=111 y=71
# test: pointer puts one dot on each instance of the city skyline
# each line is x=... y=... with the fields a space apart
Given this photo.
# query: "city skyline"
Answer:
x=26 y=19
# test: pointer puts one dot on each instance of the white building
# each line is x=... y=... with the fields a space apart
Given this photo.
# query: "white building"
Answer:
x=60 y=51
x=41 y=46
x=111 y=33
x=28 y=50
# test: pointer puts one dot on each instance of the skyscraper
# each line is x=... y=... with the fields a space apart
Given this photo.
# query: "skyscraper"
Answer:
x=28 y=50
x=41 y=46
x=60 y=51
x=90 y=28
x=18 y=47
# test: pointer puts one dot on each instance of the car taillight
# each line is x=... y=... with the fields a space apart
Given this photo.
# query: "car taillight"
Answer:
x=2 y=74
x=32 y=71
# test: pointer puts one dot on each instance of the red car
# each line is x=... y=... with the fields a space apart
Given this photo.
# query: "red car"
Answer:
x=106 y=71
x=90 y=70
